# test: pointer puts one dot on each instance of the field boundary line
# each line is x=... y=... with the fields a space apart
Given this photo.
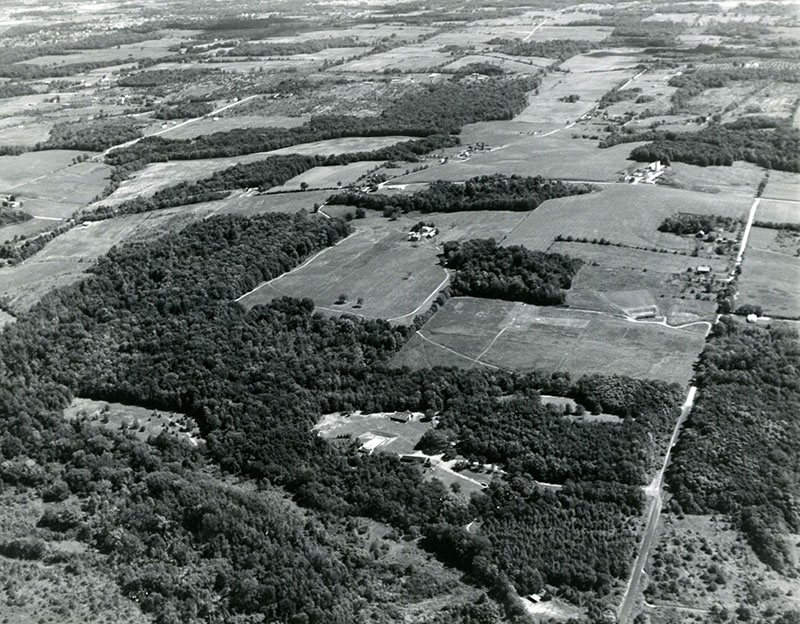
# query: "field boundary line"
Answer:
x=427 y=299
x=297 y=268
x=466 y=357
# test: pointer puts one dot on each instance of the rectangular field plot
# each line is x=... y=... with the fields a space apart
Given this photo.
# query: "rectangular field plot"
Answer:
x=471 y=332
x=225 y=124
x=771 y=273
x=622 y=213
x=782 y=185
x=420 y=57
x=60 y=193
x=329 y=177
x=18 y=170
x=741 y=178
x=395 y=278
x=669 y=280
x=778 y=211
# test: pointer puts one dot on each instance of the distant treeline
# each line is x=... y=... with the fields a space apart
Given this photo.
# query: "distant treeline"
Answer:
x=559 y=49
x=737 y=454
x=484 y=269
x=264 y=174
x=311 y=46
x=489 y=192
x=161 y=77
x=29 y=71
x=762 y=141
x=442 y=108
x=183 y=110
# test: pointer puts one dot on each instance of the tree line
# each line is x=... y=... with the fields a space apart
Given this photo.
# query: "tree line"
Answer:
x=489 y=192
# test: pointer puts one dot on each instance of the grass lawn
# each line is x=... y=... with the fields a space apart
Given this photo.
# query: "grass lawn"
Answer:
x=397 y=279
x=523 y=337
x=770 y=275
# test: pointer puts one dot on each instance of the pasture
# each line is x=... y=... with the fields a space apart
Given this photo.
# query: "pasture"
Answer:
x=741 y=178
x=771 y=274
x=65 y=259
x=782 y=185
x=140 y=421
x=530 y=154
x=60 y=193
x=666 y=279
x=470 y=332
x=208 y=125
x=778 y=211
x=24 y=130
x=395 y=279
x=156 y=176
x=330 y=177
x=414 y=57
x=602 y=60
x=16 y=171
x=622 y=213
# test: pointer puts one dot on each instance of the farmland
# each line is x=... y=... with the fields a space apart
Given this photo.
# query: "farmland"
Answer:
x=523 y=337
x=771 y=273
x=782 y=185
x=776 y=211
x=374 y=273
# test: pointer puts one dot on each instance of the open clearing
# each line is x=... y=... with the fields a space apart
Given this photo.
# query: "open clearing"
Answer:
x=330 y=177
x=770 y=275
x=523 y=337
x=394 y=277
x=665 y=277
x=18 y=170
x=378 y=433
x=26 y=131
x=778 y=211
x=622 y=213
x=417 y=57
x=59 y=194
x=140 y=421
x=65 y=259
x=741 y=178
x=782 y=185
x=156 y=176
x=210 y=125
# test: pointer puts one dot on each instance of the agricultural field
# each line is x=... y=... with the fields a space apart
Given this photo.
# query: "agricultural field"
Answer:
x=374 y=273
x=23 y=130
x=209 y=125
x=409 y=58
x=141 y=422
x=329 y=177
x=741 y=178
x=779 y=211
x=669 y=280
x=782 y=185
x=470 y=332
x=16 y=171
x=528 y=65
x=622 y=213
x=771 y=273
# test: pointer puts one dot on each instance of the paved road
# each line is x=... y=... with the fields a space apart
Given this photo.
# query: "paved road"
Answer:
x=655 y=489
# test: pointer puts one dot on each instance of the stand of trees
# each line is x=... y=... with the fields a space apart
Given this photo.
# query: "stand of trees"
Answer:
x=7 y=217
x=684 y=223
x=559 y=49
x=738 y=454
x=183 y=110
x=442 y=108
x=762 y=141
x=484 y=269
x=263 y=174
x=155 y=325
x=94 y=136
x=489 y=192
x=15 y=89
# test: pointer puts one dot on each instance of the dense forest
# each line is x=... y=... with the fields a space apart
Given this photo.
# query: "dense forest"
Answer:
x=442 y=108
x=488 y=192
x=155 y=325
x=739 y=453
x=484 y=269
x=263 y=175
x=762 y=141
x=93 y=136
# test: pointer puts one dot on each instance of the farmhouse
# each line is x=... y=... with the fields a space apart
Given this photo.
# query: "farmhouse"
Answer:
x=402 y=417
x=703 y=269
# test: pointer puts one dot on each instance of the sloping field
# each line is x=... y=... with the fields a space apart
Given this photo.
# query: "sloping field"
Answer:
x=741 y=178
x=672 y=286
x=25 y=131
x=208 y=125
x=779 y=211
x=770 y=275
x=782 y=185
x=417 y=57
x=159 y=175
x=65 y=258
x=510 y=64
x=555 y=156
x=17 y=170
x=330 y=177
x=60 y=193
x=602 y=60
x=521 y=337
x=395 y=278
x=622 y=213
